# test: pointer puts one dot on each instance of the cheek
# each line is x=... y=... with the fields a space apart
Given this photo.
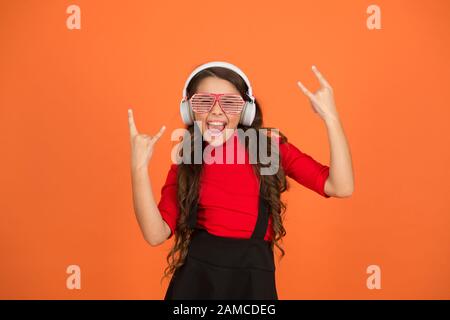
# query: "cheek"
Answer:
x=233 y=120
x=200 y=117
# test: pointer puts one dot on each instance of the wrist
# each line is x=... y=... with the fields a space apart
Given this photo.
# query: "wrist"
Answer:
x=139 y=170
x=332 y=120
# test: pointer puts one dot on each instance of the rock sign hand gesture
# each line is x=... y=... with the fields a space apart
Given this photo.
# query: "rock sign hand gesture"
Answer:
x=322 y=101
x=142 y=145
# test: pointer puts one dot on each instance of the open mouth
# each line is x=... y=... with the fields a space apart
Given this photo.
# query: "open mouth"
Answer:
x=215 y=128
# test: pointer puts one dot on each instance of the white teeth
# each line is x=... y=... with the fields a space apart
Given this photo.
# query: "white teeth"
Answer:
x=217 y=123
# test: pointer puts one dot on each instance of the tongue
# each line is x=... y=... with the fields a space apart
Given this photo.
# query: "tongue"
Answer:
x=216 y=128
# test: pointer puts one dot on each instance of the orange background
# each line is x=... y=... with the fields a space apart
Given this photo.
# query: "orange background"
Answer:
x=65 y=172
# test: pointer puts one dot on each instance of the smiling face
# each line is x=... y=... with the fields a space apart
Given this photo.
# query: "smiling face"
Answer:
x=216 y=119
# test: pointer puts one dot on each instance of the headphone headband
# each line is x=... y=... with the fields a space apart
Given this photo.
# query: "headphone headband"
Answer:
x=219 y=64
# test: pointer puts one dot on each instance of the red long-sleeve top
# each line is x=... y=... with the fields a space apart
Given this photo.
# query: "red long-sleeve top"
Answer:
x=229 y=192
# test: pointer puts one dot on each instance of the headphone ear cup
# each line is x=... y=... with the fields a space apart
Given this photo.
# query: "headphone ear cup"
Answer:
x=248 y=114
x=186 y=113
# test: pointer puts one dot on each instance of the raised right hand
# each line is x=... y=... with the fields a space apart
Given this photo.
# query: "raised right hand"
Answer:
x=142 y=145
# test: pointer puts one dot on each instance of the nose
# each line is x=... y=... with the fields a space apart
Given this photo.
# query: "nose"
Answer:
x=216 y=109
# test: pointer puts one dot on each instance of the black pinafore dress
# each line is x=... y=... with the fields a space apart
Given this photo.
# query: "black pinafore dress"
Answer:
x=226 y=268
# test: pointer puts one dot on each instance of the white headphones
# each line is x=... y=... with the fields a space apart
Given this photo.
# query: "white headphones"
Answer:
x=249 y=110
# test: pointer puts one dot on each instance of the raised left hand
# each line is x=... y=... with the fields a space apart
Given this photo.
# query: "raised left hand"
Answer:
x=322 y=101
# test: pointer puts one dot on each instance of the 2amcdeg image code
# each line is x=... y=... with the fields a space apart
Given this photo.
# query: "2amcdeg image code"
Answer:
x=225 y=309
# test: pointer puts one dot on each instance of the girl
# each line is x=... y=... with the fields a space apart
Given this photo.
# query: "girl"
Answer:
x=228 y=216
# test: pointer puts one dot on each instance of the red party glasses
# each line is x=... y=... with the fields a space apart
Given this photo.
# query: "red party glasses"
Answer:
x=230 y=103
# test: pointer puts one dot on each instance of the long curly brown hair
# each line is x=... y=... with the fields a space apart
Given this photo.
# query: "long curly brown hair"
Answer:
x=188 y=176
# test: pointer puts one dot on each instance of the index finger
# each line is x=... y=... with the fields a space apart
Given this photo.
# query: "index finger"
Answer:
x=131 y=124
x=308 y=93
x=159 y=134
x=321 y=78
